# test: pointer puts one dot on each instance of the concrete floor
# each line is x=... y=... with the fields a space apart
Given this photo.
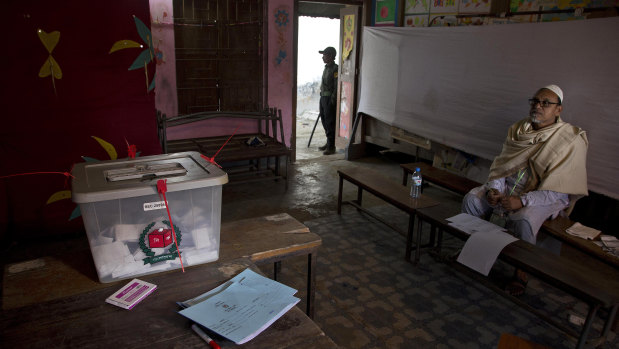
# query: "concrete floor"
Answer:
x=313 y=180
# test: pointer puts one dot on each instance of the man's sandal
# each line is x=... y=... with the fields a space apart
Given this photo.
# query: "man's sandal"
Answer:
x=517 y=285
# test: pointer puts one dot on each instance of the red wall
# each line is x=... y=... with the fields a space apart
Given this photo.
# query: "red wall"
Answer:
x=43 y=130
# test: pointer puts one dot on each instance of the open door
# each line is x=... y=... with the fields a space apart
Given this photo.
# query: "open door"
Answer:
x=350 y=26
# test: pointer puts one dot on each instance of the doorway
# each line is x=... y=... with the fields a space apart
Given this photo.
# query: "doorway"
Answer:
x=314 y=34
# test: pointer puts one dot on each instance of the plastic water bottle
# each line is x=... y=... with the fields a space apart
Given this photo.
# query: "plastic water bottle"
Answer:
x=416 y=185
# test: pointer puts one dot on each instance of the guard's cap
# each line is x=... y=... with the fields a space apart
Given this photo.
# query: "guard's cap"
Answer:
x=328 y=51
x=556 y=90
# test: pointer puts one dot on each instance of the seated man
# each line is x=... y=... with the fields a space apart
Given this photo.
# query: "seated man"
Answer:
x=540 y=172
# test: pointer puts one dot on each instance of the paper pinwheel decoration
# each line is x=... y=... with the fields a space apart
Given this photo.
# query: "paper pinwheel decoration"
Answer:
x=50 y=67
x=145 y=56
x=111 y=151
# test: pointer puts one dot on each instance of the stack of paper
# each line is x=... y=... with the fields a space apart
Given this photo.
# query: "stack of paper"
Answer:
x=610 y=244
x=582 y=231
x=485 y=243
x=471 y=224
x=242 y=307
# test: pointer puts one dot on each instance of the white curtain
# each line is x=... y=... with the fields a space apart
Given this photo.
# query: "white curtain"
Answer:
x=464 y=86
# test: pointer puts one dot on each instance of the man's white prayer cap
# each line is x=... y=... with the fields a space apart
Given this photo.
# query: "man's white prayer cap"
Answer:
x=556 y=90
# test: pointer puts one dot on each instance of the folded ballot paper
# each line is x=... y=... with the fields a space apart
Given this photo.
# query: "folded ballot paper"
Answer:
x=582 y=231
x=242 y=307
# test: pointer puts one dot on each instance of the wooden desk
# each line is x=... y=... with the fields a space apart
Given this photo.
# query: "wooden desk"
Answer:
x=85 y=320
x=262 y=240
x=272 y=239
x=389 y=191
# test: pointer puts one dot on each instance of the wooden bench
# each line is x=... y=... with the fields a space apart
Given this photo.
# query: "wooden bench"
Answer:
x=389 y=191
x=461 y=185
x=597 y=286
x=236 y=150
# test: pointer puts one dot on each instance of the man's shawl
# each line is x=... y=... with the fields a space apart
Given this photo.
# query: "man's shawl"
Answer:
x=556 y=155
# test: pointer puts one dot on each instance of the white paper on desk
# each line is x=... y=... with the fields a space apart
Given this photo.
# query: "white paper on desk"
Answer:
x=482 y=249
x=583 y=231
x=471 y=224
x=240 y=312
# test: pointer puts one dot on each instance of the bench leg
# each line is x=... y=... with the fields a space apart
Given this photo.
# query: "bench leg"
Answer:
x=287 y=163
x=359 y=195
x=584 y=333
x=339 y=196
x=418 y=249
x=311 y=284
x=609 y=321
x=409 y=237
x=404 y=177
x=440 y=240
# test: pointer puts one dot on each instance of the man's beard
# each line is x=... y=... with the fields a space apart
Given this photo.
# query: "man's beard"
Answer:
x=533 y=119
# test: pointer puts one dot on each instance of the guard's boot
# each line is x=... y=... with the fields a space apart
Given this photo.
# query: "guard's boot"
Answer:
x=329 y=151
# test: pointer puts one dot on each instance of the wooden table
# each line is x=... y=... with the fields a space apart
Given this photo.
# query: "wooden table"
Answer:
x=392 y=193
x=272 y=239
x=85 y=320
x=262 y=240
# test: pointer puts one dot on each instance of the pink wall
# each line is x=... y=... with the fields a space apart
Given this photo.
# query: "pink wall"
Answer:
x=162 y=29
x=280 y=18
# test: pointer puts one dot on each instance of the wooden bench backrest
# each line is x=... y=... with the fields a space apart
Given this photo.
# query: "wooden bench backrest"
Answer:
x=271 y=118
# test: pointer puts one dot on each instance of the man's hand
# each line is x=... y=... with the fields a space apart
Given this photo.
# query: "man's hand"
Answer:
x=511 y=203
x=493 y=196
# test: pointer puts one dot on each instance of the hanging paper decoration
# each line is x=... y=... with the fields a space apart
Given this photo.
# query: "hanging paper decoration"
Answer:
x=89 y=159
x=60 y=195
x=108 y=148
x=145 y=56
x=50 y=67
x=349 y=35
x=111 y=150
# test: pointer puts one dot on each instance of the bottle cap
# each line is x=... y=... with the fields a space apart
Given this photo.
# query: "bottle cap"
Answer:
x=417 y=169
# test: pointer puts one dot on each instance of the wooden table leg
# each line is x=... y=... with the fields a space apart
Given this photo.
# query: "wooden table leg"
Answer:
x=311 y=284
x=277 y=268
x=404 y=177
x=359 y=195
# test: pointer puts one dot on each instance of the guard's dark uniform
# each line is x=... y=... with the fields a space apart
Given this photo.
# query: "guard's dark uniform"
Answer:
x=328 y=96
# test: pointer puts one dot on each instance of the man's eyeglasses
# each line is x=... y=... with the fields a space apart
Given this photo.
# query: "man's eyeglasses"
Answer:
x=545 y=104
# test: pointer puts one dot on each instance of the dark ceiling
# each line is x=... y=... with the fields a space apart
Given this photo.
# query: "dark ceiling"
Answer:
x=320 y=9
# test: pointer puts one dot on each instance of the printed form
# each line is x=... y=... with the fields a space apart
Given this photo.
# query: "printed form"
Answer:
x=242 y=307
